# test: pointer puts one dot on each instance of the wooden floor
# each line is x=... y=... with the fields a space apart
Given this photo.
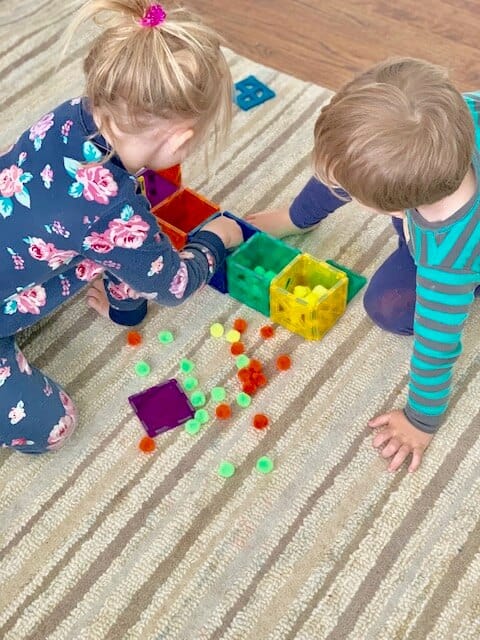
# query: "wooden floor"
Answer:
x=328 y=41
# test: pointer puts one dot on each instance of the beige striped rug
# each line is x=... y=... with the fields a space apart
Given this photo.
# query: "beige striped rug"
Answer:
x=100 y=541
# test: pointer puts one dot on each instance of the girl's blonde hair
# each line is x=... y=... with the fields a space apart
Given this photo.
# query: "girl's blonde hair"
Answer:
x=398 y=136
x=173 y=71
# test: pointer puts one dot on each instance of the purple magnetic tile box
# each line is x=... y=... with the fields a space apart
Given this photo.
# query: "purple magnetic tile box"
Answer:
x=162 y=407
x=157 y=188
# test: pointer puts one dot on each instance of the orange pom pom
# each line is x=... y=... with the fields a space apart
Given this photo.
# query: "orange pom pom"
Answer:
x=240 y=325
x=223 y=411
x=260 y=421
x=237 y=348
x=283 y=362
x=267 y=331
x=255 y=365
x=147 y=445
x=134 y=338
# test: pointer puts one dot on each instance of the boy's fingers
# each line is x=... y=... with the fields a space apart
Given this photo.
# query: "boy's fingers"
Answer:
x=416 y=460
x=379 y=421
x=399 y=458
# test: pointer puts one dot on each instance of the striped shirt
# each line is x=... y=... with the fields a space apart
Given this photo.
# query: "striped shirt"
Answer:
x=447 y=256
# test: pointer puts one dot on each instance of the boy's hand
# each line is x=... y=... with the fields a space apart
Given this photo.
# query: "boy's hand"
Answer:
x=399 y=439
x=227 y=230
x=276 y=222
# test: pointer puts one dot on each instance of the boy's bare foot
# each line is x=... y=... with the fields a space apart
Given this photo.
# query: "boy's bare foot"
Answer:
x=97 y=298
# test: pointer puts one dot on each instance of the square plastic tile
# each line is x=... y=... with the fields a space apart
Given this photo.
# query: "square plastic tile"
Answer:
x=162 y=407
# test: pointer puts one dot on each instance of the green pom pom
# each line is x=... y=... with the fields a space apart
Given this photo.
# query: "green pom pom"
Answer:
x=218 y=394
x=186 y=365
x=226 y=469
x=264 y=465
x=165 y=337
x=142 y=369
x=202 y=416
x=243 y=399
x=192 y=426
x=242 y=361
x=189 y=384
x=198 y=399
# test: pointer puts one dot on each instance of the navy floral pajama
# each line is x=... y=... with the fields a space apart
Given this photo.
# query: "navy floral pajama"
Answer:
x=67 y=216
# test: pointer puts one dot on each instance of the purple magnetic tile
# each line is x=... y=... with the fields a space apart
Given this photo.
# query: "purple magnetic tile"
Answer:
x=157 y=188
x=162 y=407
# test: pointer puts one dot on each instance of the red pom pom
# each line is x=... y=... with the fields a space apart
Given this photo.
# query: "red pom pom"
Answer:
x=223 y=411
x=283 y=362
x=237 y=348
x=255 y=365
x=244 y=375
x=260 y=421
x=147 y=444
x=249 y=387
x=134 y=338
x=260 y=380
x=267 y=331
x=240 y=325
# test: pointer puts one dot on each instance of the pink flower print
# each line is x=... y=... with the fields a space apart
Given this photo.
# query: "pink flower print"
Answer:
x=180 y=281
x=68 y=404
x=39 y=249
x=186 y=255
x=156 y=266
x=110 y=264
x=23 y=363
x=18 y=261
x=88 y=270
x=65 y=282
x=75 y=101
x=30 y=300
x=98 y=242
x=16 y=414
x=21 y=158
x=59 y=257
x=4 y=374
x=10 y=182
x=98 y=183
x=39 y=130
x=66 y=130
x=129 y=234
x=122 y=291
x=61 y=432
x=59 y=229
x=47 y=389
x=20 y=442
x=47 y=176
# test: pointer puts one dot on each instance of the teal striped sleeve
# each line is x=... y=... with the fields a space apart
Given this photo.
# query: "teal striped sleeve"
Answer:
x=443 y=302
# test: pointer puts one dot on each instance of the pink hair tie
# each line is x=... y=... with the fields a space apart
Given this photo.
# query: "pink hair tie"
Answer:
x=154 y=15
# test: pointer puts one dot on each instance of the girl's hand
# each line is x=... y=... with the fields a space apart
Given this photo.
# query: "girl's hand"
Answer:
x=97 y=298
x=399 y=439
x=227 y=230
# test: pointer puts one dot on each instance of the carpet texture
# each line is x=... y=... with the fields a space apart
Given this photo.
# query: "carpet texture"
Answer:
x=100 y=541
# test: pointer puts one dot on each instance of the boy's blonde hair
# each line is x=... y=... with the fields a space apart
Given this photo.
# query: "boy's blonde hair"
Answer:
x=174 y=71
x=396 y=137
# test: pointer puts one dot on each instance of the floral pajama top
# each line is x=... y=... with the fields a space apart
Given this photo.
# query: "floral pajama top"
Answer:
x=65 y=218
